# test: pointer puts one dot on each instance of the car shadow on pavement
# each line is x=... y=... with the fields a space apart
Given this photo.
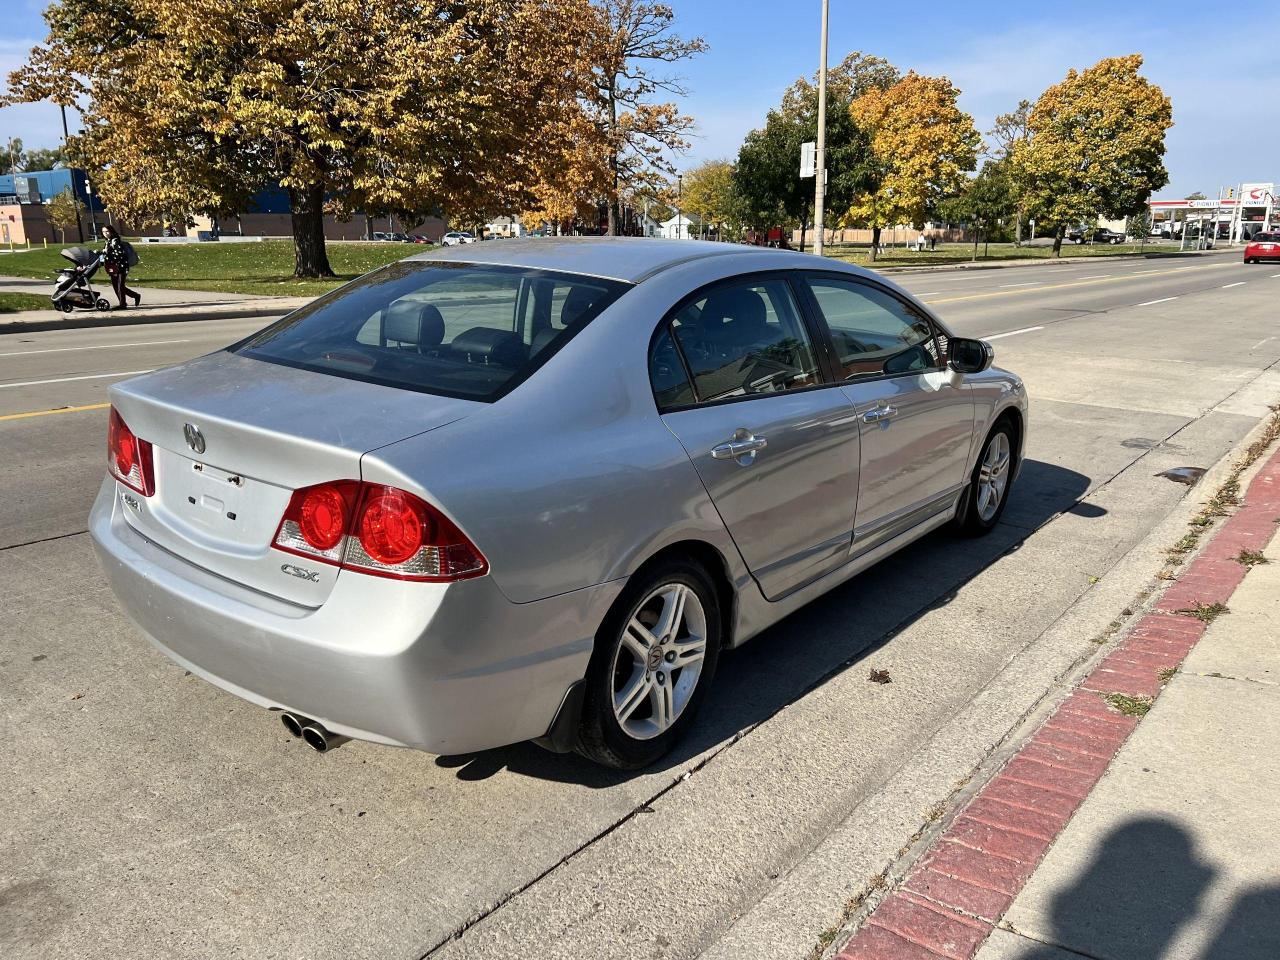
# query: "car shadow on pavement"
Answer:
x=1144 y=888
x=826 y=637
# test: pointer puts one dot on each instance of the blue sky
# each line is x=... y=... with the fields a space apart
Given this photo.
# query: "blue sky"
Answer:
x=1214 y=60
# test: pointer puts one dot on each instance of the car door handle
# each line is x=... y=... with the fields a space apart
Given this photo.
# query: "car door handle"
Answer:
x=879 y=413
x=743 y=445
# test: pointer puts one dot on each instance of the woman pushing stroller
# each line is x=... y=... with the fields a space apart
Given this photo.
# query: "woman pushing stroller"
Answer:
x=117 y=258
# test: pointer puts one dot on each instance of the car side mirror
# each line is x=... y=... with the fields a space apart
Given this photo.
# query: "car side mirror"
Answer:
x=966 y=355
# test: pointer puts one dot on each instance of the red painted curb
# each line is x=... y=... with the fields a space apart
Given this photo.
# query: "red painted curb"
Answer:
x=949 y=902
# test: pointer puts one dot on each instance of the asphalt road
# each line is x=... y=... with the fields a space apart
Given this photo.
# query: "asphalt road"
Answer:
x=146 y=814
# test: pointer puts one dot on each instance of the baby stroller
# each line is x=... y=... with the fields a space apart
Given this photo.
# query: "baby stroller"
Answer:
x=74 y=289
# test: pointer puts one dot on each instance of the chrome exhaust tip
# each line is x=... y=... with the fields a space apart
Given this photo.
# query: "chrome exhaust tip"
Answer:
x=321 y=740
x=295 y=723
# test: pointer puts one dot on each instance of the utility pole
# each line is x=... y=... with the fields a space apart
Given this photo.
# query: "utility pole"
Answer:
x=74 y=202
x=820 y=158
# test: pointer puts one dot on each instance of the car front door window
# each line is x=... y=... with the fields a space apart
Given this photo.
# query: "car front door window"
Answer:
x=874 y=334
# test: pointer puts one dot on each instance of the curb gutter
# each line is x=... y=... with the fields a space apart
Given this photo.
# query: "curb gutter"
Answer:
x=956 y=894
x=119 y=319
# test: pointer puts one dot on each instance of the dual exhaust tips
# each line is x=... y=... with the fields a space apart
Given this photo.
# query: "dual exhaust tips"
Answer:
x=312 y=732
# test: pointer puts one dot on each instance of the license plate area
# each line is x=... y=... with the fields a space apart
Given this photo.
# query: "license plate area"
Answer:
x=216 y=507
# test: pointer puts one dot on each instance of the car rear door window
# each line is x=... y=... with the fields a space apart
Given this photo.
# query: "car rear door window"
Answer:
x=874 y=333
x=458 y=330
x=744 y=339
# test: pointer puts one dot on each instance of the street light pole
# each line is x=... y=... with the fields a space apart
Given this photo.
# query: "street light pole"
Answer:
x=74 y=202
x=820 y=154
x=679 y=215
x=88 y=198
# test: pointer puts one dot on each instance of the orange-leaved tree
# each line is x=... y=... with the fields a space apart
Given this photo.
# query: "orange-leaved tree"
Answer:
x=401 y=105
x=922 y=144
x=1095 y=145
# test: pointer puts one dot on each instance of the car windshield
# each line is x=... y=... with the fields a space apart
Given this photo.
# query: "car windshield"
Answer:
x=458 y=330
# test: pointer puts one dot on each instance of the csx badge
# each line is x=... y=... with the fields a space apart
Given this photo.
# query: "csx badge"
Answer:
x=302 y=573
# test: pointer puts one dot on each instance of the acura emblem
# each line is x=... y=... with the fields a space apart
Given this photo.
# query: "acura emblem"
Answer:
x=195 y=439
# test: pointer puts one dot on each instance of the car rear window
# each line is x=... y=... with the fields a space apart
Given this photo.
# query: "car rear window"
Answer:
x=459 y=330
x=1265 y=237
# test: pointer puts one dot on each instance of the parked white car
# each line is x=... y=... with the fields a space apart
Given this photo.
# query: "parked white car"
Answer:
x=455 y=237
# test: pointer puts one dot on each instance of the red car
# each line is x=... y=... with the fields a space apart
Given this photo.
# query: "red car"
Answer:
x=1262 y=246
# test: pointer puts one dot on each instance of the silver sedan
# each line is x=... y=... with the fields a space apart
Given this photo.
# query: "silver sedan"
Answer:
x=531 y=492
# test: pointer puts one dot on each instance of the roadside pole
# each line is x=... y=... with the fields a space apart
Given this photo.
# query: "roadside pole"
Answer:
x=820 y=158
x=74 y=202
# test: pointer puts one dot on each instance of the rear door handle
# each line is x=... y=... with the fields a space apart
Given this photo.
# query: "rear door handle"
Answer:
x=741 y=447
x=879 y=413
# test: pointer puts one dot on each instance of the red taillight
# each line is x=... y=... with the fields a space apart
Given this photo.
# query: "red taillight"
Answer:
x=129 y=459
x=377 y=529
x=390 y=527
x=316 y=519
x=322 y=517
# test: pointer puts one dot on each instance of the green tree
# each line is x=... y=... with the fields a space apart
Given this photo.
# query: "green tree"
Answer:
x=1008 y=131
x=44 y=158
x=65 y=211
x=984 y=202
x=11 y=156
x=922 y=144
x=194 y=105
x=767 y=174
x=1096 y=146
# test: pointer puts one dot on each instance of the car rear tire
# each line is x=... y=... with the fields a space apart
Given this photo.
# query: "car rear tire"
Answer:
x=654 y=658
x=989 y=485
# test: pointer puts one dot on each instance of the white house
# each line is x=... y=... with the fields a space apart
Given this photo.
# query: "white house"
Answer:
x=505 y=227
x=681 y=227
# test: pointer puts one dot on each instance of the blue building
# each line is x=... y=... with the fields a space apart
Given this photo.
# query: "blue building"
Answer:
x=41 y=186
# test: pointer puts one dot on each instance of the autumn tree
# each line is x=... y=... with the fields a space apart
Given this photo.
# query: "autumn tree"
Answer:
x=767 y=174
x=65 y=211
x=640 y=134
x=921 y=143
x=1008 y=132
x=708 y=193
x=402 y=105
x=1096 y=145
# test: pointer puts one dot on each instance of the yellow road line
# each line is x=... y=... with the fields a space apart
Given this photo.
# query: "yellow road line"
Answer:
x=1077 y=283
x=46 y=413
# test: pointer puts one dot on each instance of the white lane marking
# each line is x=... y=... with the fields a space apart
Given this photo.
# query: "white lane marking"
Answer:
x=1261 y=342
x=92 y=376
x=1238 y=283
x=1011 y=333
x=1026 y=283
x=105 y=346
x=1275 y=275
x=1161 y=300
x=1094 y=276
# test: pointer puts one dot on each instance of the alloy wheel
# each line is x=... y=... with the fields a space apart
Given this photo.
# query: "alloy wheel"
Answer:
x=993 y=477
x=658 y=662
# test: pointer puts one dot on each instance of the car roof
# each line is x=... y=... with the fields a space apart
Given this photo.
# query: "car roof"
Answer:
x=630 y=259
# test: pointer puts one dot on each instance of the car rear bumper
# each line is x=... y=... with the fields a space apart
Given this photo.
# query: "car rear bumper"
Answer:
x=447 y=668
x=1273 y=254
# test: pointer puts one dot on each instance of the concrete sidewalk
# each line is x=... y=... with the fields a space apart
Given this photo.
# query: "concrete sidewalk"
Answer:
x=1175 y=853
x=159 y=305
x=1138 y=822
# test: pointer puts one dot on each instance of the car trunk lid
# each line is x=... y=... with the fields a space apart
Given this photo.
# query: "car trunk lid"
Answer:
x=233 y=437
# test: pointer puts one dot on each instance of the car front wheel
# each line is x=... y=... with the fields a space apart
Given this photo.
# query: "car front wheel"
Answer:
x=654 y=659
x=988 y=489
